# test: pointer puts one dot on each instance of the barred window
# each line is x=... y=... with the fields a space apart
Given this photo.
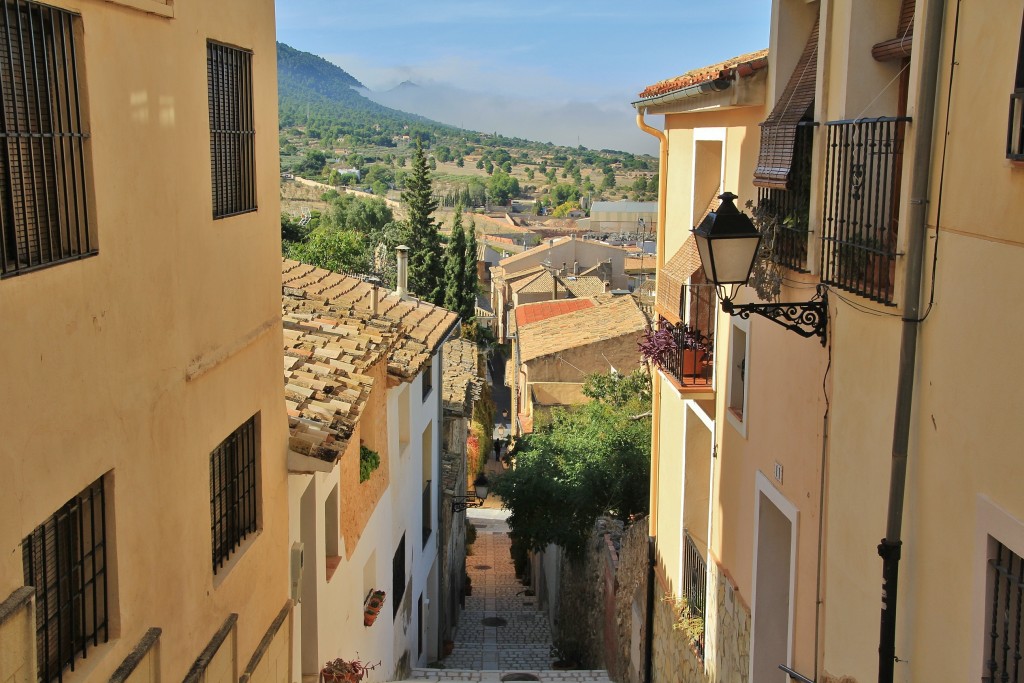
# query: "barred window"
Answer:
x=398 y=576
x=44 y=212
x=1004 y=645
x=233 y=491
x=65 y=560
x=1015 y=131
x=232 y=138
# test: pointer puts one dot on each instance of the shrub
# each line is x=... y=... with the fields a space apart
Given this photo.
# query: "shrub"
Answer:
x=369 y=460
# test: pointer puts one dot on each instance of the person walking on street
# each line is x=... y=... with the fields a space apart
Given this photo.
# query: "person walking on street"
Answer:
x=497 y=449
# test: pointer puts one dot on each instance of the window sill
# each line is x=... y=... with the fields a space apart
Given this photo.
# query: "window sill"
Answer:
x=332 y=565
x=149 y=6
x=222 y=572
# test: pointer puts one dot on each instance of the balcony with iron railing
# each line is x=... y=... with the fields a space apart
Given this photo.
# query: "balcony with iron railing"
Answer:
x=784 y=214
x=864 y=163
x=1015 y=127
x=688 y=360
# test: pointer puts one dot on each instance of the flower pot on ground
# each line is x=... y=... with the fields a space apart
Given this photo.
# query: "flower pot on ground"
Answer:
x=345 y=671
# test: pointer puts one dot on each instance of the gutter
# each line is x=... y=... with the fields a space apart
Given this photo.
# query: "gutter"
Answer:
x=695 y=90
x=652 y=514
x=924 y=123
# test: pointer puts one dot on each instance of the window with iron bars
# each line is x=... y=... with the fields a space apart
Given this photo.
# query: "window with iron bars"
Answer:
x=233 y=499
x=398 y=576
x=1004 y=645
x=788 y=211
x=232 y=134
x=1015 y=129
x=65 y=560
x=44 y=209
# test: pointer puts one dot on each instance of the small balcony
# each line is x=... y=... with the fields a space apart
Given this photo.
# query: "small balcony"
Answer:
x=786 y=212
x=864 y=164
x=1015 y=127
x=688 y=359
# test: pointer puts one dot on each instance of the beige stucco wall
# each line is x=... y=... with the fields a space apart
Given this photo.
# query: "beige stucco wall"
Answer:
x=17 y=642
x=105 y=344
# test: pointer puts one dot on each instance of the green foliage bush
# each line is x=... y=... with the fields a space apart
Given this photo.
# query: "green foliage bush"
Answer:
x=593 y=460
x=369 y=460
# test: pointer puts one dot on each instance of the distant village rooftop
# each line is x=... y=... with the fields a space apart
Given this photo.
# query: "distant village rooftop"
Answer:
x=606 y=318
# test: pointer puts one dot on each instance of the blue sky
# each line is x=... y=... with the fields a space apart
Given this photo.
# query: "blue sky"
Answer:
x=546 y=52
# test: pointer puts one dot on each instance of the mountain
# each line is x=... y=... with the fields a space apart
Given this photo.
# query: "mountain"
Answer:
x=405 y=85
x=322 y=97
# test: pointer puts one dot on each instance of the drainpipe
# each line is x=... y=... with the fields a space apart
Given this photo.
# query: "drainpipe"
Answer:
x=652 y=517
x=924 y=120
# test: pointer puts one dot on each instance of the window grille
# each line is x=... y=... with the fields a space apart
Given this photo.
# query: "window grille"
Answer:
x=233 y=491
x=695 y=575
x=1003 y=644
x=232 y=134
x=1015 y=127
x=398 y=576
x=65 y=560
x=44 y=210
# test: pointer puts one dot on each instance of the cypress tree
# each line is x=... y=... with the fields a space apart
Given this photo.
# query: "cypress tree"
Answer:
x=426 y=265
x=454 y=272
x=469 y=286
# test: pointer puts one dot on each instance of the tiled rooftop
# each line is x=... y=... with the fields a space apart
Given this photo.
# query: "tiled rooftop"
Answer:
x=528 y=314
x=741 y=66
x=609 y=317
x=584 y=285
x=327 y=355
x=422 y=326
x=460 y=376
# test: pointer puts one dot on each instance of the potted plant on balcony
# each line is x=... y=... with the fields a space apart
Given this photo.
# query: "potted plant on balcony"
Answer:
x=345 y=671
x=372 y=607
x=658 y=345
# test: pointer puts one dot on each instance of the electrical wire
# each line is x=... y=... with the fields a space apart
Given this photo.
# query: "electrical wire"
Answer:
x=942 y=165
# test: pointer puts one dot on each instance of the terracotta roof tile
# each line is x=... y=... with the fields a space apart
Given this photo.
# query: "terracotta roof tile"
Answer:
x=423 y=326
x=741 y=66
x=609 y=318
x=585 y=285
x=528 y=314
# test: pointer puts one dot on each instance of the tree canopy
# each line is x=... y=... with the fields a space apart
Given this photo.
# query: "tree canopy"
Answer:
x=426 y=265
x=592 y=460
x=456 y=298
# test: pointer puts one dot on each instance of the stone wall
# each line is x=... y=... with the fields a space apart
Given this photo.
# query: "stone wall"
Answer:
x=631 y=605
x=726 y=638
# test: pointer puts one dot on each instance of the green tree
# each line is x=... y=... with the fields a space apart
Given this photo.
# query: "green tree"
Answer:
x=340 y=250
x=426 y=264
x=503 y=187
x=469 y=271
x=455 y=296
x=592 y=460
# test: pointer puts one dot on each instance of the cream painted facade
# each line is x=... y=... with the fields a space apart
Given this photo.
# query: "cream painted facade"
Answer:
x=130 y=367
x=823 y=419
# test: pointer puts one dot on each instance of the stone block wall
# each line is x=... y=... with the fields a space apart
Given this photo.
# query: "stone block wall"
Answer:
x=726 y=638
x=631 y=604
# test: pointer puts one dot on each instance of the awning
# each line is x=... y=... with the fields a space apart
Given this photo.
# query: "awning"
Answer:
x=673 y=277
x=778 y=132
x=900 y=46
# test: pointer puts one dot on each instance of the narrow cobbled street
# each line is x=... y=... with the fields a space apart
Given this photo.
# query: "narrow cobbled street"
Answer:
x=502 y=634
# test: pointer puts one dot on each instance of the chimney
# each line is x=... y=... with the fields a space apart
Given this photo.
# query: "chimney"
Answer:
x=403 y=272
x=554 y=287
x=564 y=271
x=374 y=298
x=576 y=268
x=607 y=287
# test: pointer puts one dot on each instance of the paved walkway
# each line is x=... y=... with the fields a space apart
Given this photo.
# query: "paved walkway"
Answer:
x=501 y=632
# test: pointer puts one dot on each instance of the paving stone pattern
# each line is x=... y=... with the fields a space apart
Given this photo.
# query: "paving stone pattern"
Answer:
x=490 y=654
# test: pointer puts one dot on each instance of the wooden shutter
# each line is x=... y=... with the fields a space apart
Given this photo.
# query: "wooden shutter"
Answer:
x=901 y=46
x=673 y=277
x=778 y=132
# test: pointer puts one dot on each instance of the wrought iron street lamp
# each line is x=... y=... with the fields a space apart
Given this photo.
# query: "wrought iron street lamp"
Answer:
x=460 y=503
x=728 y=243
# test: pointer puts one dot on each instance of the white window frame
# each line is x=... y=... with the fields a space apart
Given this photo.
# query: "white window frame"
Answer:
x=737 y=422
x=991 y=521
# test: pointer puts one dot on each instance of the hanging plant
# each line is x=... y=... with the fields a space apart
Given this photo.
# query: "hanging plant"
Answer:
x=369 y=460
x=657 y=346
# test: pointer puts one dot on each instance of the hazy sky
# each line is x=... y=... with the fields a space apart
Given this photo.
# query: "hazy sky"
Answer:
x=532 y=57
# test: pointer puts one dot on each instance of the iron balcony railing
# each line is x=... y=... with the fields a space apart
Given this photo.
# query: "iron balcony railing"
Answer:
x=864 y=162
x=1015 y=127
x=690 y=361
x=695 y=577
x=789 y=210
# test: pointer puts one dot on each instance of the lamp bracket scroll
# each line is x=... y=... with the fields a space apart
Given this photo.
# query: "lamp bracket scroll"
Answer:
x=460 y=503
x=806 y=318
